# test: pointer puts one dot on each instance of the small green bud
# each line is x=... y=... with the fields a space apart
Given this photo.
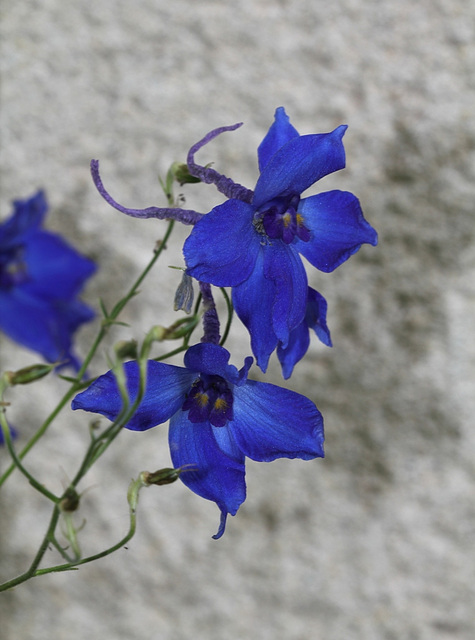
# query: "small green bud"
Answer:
x=70 y=500
x=163 y=476
x=126 y=349
x=157 y=333
x=182 y=174
x=28 y=374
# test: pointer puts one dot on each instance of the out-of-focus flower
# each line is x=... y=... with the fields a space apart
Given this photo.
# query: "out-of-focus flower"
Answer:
x=217 y=418
x=40 y=279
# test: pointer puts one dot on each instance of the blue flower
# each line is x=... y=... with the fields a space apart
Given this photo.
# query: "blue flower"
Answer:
x=252 y=242
x=40 y=278
x=315 y=318
x=217 y=418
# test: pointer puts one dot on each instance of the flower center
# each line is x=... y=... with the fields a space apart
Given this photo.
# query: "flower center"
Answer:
x=209 y=400
x=12 y=268
x=279 y=219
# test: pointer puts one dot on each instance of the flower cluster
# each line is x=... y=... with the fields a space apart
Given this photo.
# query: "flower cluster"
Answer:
x=40 y=279
x=254 y=243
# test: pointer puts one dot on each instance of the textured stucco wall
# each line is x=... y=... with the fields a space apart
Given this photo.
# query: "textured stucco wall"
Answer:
x=376 y=541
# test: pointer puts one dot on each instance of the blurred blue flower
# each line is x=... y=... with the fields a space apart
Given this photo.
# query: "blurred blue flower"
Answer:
x=40 y=279
x=252 y=241
x=13 y=435
x=217 y=418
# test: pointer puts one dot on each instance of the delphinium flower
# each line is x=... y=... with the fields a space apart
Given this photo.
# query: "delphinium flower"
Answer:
x=218 y=417
x=40 y=278
x=252 y=241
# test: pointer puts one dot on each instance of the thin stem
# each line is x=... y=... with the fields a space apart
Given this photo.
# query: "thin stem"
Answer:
x=32 y=480
x=230 y=307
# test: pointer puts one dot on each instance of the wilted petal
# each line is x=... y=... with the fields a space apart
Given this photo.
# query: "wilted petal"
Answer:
x=338 y=229
x=299 y=164
x=165 y=393
x=223 y=246
x=272 y=422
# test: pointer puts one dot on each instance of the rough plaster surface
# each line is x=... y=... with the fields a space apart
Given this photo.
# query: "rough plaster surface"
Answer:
x=376 y=541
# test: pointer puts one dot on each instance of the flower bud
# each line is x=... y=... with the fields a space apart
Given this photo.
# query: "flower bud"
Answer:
x=126 y=349
x=28 y=374
x=182 y=174
x=70 y=500
x=157 y=333
x=162 y=476
x=184 y=294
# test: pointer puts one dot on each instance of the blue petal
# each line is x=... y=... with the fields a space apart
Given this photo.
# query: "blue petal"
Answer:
x=253 y=302
x=27 y=217
x=211 y=473
x=223 y=246
x=39 y=325
x=280 y=132
x=338 y=229
x=272 y=422
x=165 y=393
x=283 y=266
x=295 y=350
x=207 y=358
x=299 y=164
x=55 y=269
x=299 y=340
x=316 y=316
x=213 y=360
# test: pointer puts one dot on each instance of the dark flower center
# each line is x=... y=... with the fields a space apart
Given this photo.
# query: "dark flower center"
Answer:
x=12 y=268
x=209 y=400
x=280 y=219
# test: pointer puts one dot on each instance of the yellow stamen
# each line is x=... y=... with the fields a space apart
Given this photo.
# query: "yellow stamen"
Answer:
x=202 y=399
x=287 y=219
x=299 y=219
x=220 y=404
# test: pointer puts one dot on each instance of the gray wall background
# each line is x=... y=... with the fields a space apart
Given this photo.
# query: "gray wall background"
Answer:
x=376 y=541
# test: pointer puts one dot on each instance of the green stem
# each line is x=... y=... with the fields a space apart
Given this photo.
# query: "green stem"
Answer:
x=230 y=307
x=33 y=571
